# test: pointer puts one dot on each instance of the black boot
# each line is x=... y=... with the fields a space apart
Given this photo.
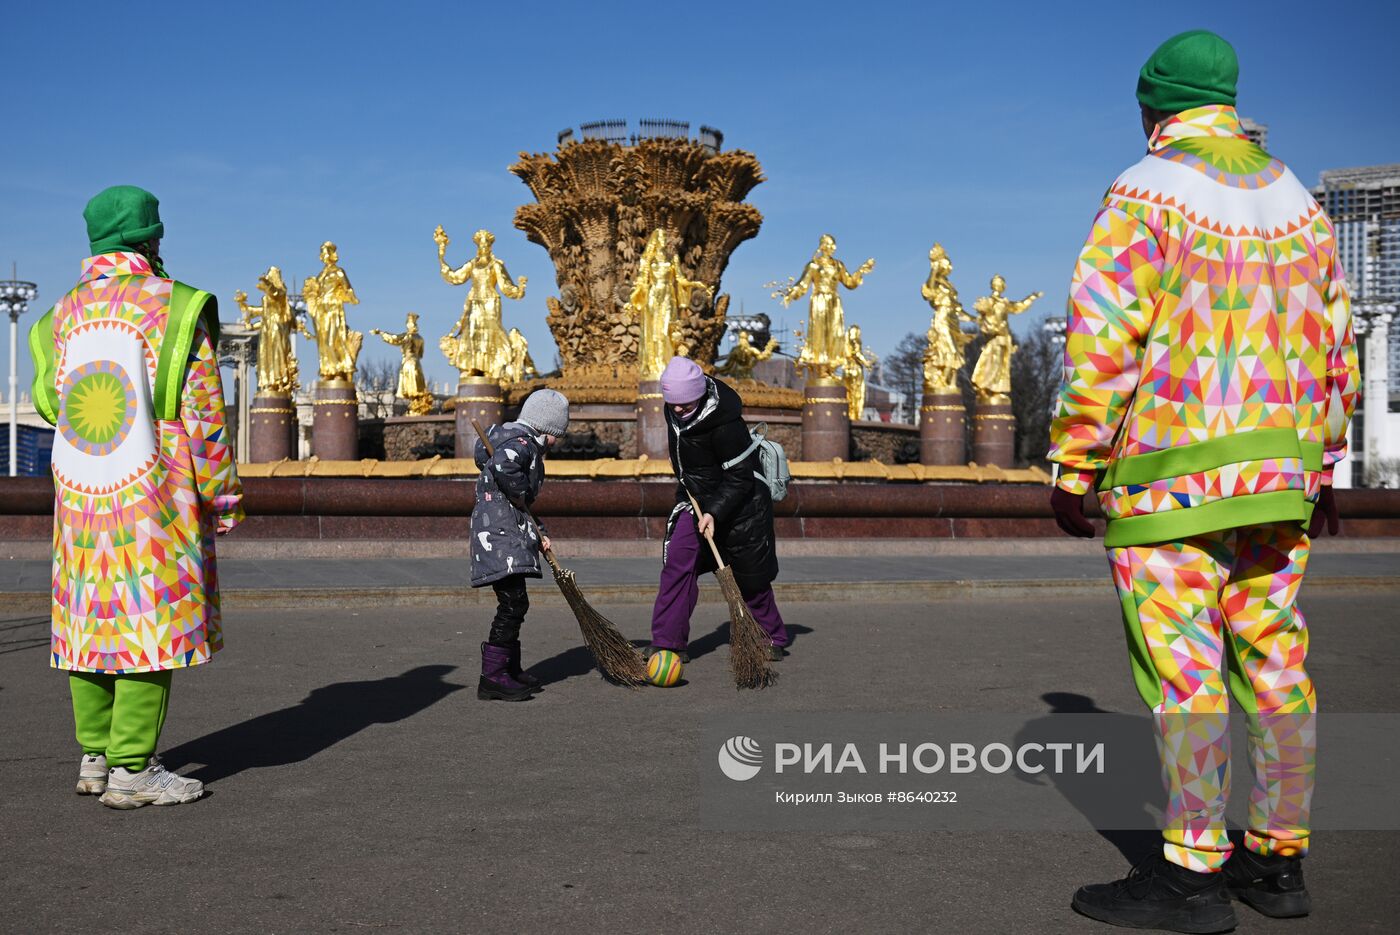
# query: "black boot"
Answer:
x=521 y=676
x=1160 y=895
x=496 y=683
x=1272 y=885
x=653 y=650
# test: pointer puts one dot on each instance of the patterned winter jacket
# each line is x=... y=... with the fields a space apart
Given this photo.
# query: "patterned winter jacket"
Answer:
x=504 y=541
x=1210 y=367
x=124 y=367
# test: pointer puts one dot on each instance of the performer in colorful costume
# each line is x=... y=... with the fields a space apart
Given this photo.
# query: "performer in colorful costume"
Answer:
x=144 y=478
x=1210 y=374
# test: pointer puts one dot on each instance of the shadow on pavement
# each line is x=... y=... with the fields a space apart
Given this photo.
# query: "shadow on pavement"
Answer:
x=566 y=665
x=719 y=638
x=1133 y=843
x=579 y=661
x=329 y=715
x=17 y=635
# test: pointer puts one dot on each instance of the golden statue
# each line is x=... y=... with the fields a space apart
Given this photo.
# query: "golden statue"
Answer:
x=522 y=365
x=326 y=295
x=660 y=296
x=946 y=339
x=277 y=368
x=413 y=387
x=853 y=364
x=743 y=355
x=479 y=346
x=992 y=375
x=824 y=344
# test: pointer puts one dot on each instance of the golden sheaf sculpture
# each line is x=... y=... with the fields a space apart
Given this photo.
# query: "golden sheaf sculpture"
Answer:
x=597 y=204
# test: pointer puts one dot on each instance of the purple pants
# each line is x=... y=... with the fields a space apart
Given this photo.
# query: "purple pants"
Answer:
x=680 y=589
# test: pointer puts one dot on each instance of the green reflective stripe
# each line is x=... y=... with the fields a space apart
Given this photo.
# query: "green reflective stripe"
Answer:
x=1312 y=455
x=41 y=349
x=1203 y=456
x=186 y=305
x=1237 y=676
x=1249 y=510
x=1145 y=677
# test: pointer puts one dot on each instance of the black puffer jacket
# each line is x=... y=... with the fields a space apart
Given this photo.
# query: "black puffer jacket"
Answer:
x=739 y=502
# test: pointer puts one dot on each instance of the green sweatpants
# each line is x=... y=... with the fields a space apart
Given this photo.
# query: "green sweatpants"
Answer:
x=120 y=716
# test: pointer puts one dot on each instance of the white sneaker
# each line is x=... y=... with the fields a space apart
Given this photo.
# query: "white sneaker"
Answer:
x=92 y=774
x=154 y=785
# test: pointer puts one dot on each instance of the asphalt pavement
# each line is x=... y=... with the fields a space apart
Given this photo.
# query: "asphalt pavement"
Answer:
x=249 y=583
x=357 y=784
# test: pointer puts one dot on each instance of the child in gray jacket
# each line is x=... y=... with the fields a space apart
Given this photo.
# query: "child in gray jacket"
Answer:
x=506 y=546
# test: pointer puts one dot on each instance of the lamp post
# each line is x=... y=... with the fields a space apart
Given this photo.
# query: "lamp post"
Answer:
x=15 y=296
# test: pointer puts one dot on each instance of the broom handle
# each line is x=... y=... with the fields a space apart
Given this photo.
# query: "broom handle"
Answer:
x=491 y=453
x=694 y=504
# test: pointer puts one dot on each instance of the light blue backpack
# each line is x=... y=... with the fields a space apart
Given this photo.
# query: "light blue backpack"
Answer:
x=772 y=459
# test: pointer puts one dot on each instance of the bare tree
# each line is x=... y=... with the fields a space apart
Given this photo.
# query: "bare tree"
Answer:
x=375 y=382
x=1382 y=472
x=1037 y=368
x=903 y=370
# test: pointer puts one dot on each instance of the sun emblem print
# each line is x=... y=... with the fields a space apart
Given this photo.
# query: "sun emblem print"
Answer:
x=99 y=407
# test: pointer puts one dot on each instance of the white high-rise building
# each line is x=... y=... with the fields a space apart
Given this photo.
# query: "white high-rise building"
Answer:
x=1364 y=205
x=1258 y=133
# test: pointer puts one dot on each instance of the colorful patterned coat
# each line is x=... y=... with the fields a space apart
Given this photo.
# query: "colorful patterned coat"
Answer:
x=1210 y=367
x=143 y=473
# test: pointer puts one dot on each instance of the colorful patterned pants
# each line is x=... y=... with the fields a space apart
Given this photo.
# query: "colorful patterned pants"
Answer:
x=1224 y=601
x=120 y=716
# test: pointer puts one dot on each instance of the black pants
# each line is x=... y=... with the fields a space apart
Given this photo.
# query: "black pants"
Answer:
x=511 y=605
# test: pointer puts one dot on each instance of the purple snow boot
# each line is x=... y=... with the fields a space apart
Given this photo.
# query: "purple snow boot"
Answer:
x=496 y=682
x=521 y=676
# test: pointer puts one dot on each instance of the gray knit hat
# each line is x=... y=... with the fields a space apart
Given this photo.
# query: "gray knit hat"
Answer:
x=547 y=412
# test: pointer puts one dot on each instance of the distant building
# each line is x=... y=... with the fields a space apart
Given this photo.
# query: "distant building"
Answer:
x=1258 y=133
x=1364 y=205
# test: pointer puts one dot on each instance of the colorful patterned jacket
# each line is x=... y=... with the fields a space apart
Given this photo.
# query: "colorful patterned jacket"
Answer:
x=1210 y=367
x=125 y=369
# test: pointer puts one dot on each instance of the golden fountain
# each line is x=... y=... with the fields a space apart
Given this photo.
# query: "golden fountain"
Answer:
x=599 y=198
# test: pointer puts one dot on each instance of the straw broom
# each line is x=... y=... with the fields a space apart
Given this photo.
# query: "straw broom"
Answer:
x=617 y=659
x=748 y=644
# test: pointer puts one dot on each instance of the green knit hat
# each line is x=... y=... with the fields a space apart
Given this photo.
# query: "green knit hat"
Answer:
x=122 y=217
x=1193 y=69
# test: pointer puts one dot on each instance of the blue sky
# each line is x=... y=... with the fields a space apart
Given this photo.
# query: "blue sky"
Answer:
x=992 y=128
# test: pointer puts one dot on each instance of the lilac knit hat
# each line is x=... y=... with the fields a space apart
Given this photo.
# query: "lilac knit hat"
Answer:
x=682 y=381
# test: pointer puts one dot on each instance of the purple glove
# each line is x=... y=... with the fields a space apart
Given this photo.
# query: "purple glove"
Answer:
x=1069 y=513
x=1326 y=509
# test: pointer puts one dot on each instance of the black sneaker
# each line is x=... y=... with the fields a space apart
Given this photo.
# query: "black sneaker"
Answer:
x=1158 y=894
x=776 y=653
x=1272 y=885
x=653 y=650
